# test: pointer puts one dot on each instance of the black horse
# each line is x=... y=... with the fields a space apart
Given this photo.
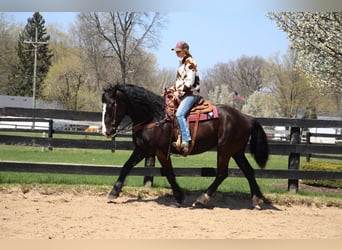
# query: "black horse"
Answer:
x=153 y=134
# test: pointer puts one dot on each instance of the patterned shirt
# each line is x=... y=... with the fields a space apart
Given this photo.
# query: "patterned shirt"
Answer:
x=186 y=74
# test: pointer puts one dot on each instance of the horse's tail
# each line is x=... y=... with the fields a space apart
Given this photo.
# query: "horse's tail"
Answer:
x=259 y=144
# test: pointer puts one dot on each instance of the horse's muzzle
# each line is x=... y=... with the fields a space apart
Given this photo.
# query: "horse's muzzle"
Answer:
x=109 y=133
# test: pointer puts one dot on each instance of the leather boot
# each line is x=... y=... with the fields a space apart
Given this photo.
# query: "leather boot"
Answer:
x=185 y=146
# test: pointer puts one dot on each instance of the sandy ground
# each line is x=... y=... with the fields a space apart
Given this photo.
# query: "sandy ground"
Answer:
x=37 y=213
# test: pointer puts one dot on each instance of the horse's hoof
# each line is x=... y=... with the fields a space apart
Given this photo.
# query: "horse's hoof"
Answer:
x=111 y=197
x=256 y=202
x=148 y=184
x=197 y=204
x=257 y=207
x=175 y=205
x=201 y=201
x=179 y=198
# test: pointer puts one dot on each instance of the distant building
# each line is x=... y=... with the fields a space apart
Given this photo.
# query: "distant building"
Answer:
x=325 y=131
x=26 y=102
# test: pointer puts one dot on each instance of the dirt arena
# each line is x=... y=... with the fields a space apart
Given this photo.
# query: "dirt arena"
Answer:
x=43 y=213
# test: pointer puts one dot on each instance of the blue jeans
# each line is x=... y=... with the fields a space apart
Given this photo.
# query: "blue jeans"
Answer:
x=187 y=102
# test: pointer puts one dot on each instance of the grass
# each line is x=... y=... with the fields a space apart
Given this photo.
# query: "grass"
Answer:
x=106 y=157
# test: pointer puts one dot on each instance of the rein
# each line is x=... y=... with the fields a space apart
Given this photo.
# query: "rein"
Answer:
x=123 y=129
x=114 y=127
x=135 y=128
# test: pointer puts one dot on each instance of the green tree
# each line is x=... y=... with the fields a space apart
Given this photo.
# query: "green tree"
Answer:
x=8 y=57
x=70 y=80
x=294 y=94
x=317 y=37
x=21 y=79
x=261 y=104
x=220 y=94
x=65 y=81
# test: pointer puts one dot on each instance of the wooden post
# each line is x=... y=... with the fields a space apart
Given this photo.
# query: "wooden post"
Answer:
x=294 y=159
x=308 y=136
x=50 y=133
x=149 y=162
x=114 y=145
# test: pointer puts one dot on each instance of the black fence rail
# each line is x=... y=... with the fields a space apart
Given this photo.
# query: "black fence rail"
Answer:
x=67 y=168
x=275 y=148
x=51 y=114
x=293 y=148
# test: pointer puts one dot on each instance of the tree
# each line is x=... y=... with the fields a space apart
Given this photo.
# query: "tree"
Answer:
x=261 y=104
x=242 y=75
x=66 y=80
x=294 y=95
x=99 y=63
x=70 y=81
x=165 y=78
x=126 y=34
x=8 y=57
x=218 y=75
x=21 y=80
x=220 y=94
x=227 y=82
x=246 y=74
x=317 y=38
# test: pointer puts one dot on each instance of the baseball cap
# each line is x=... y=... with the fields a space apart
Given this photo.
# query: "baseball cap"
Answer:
x=181 y=45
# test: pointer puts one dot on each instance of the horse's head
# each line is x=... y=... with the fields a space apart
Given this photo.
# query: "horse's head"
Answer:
x=114 y=110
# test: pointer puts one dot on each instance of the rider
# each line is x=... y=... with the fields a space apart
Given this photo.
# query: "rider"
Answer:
x=186 y=89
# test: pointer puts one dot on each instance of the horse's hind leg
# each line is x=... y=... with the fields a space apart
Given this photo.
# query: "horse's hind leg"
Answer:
x=222 y=173
x=248 y=171
x=133 y=160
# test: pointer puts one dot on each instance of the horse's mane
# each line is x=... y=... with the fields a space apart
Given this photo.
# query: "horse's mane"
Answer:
x=144 y=104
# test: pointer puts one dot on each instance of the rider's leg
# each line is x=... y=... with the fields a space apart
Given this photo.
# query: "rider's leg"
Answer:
x=183 y=109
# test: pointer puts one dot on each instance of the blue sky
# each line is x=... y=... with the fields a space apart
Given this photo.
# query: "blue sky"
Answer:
x=214 y=36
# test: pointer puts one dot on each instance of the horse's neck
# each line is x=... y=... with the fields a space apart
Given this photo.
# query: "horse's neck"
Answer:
x=144 y=119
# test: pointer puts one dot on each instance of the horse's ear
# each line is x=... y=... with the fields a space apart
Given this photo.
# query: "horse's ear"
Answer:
x=107 y=96
x=104 y=96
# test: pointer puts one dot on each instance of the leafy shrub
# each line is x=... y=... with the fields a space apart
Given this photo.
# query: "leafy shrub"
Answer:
x=327 y=166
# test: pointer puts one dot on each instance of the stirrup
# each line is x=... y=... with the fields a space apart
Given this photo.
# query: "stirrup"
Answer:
x=185 y=146
x=177 y=144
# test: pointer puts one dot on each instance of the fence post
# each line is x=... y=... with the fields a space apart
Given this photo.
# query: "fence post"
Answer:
x=308 y=141
x=149 y=162
x=50 y=133
x=114 y=144
x=294 y=159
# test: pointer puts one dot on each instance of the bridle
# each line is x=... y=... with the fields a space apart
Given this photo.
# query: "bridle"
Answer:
x=113 y=126
x=137 y=126
x=124 y=128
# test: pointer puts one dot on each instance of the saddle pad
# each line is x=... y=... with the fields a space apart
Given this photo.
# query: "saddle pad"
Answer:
x=205 y=116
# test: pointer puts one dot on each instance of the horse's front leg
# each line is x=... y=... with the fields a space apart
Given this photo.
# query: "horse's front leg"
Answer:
x=133 y=160
x=167 y=169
